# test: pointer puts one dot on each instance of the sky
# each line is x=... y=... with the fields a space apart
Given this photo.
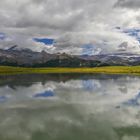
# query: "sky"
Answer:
x=71 y=26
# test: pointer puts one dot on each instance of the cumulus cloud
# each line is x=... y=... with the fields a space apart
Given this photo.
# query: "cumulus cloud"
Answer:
x=72 y=23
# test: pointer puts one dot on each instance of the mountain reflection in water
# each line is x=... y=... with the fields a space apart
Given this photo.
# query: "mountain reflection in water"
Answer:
x=69 y=107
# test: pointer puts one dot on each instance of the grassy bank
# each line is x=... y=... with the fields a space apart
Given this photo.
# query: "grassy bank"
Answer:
x=107 y=70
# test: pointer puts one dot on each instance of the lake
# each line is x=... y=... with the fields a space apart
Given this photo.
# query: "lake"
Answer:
x=70 y=107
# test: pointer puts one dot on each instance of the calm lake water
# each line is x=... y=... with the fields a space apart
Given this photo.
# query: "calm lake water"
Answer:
x=69 y=107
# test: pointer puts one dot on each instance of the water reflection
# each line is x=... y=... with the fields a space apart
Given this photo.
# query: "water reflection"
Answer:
x=68 y=107
x=45 y=94
x=134 y=101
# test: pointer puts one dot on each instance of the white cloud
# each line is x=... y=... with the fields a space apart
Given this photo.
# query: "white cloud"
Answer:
x=72 y=23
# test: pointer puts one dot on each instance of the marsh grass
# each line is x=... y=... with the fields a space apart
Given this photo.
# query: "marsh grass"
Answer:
x=106 y=70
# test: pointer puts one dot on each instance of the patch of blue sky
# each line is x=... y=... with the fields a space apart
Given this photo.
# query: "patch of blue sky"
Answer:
x=131 y=32
x=87 y=49
x=2 y=36
x=46 y=41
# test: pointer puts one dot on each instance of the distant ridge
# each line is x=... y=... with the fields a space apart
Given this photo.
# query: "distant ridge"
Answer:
x=12 y=48
x=29 y=58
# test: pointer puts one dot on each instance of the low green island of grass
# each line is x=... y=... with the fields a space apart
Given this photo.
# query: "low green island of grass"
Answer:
x=4 y=70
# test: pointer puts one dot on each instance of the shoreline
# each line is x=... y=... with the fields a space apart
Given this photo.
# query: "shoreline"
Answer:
x=135 y=70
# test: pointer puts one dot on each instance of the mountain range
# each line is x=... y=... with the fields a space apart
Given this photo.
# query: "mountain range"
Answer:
x=29 y=58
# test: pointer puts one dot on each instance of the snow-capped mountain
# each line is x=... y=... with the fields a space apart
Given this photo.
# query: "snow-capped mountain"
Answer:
x=29 y=58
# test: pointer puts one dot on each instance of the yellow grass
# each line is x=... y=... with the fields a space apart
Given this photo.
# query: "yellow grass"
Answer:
x=106 y=70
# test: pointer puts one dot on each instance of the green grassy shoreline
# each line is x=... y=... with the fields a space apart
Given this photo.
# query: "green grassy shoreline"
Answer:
x=4 y=70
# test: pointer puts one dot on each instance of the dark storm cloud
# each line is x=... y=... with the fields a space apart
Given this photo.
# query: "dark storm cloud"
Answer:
x=134 y=4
